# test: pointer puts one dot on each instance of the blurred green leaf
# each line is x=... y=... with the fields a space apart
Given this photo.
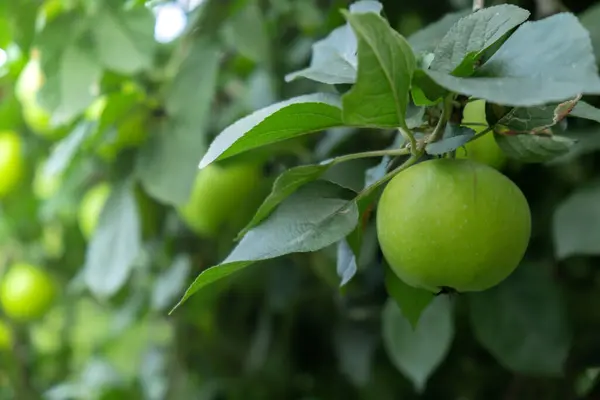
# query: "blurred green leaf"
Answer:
x=355 y=348
x=418 y=352
x=115 y=244
x=334 y=58
x=284 y=120
x=534 y=148
x=589 y=19
x=385 y=66
x=346 y=262
x=309 y=220
x=411 y=301
x=466 y=41
x=65 y=150
x=124 y=39
x=69 y=89
x=549 y=60
x=576 y=223
x=170 y=283
x=523 y=322
x=168 y=163
x=246 y=32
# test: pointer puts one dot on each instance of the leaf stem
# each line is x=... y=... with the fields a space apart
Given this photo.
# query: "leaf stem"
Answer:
x=366 y=154
x=367 y=191
x=408 y=135
x=439 y=129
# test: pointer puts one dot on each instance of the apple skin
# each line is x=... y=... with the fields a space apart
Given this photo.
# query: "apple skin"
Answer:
x=454 y=224
x=6 y=337
x=26 y=292
x=12 y=163
x=222 y=197
x=484 y=149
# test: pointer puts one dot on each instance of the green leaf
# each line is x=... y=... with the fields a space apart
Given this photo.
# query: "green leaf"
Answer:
x=586 y=111
x=411 y=301
x=171 y=282
x=576 y=223
x=536 y=119
x=346 y=263
x=309 y=220
x=454 y=137
x=427 y=38
x=528 y=331
x=386 y=63
x=246 y=33
x=534 y=148
x=355 y=348
x=168 y=162
x=545 y=61
x=115 y=244
x=284 y=186
x=124 y=38
x=589 y=19
x=284 y=120
x=63 y=152
x=334 y=58
x=69 y=88
x=418 y=352
x=466 y=41
x=425 y=91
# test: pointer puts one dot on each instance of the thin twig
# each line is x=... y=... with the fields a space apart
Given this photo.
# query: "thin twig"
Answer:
x=478 y=5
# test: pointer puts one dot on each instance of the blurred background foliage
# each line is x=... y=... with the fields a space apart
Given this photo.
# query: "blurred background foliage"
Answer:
x=106 y=107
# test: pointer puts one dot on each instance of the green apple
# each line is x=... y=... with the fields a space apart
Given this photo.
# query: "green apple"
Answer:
x=12 y=163
x=26 y=292
x=223 y=197
x=484 y=149
x=453 y=224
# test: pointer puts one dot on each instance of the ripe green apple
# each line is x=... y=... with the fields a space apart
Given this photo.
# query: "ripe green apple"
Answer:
x=484 y=149
x=223 y=197
x=27 y=87
x=457 y=224
x=26 y=292
x=90 y=208
x=12 y=164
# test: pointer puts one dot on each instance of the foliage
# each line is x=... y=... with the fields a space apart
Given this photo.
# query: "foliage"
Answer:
x=285 y=292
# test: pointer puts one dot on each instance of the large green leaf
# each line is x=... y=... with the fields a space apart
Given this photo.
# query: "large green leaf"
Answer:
x=115 y=243
x=534 y=148
x=68 y=90
x=386 y=64
x=334 y=58
x=466 y=41
x=124 y=38
x=428 y=38
x=168 y=163
x=545 y=61
x=539 y=118
x=309 y=220
x=576 y=223
x=284 y=120
x=523 y=323
x=418 y=352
